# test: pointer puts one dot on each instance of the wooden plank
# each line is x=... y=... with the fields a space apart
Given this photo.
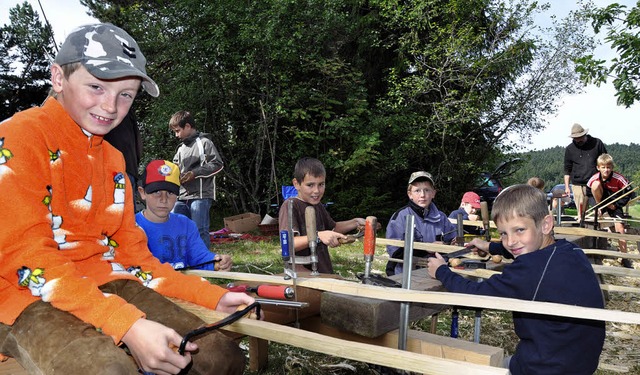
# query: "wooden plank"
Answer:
x=611 y=253
x=595 y=233
x=443 y=298
x=258 y=354
x=11 y=367
x=419 y=342
x=616 y=271
x=356 y=351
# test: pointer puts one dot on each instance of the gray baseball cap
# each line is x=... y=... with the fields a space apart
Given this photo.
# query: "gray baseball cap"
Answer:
x=421 y=175
x=107 y=52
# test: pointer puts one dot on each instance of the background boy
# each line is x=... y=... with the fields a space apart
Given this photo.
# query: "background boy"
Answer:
x=603 y=184
x=431 y=224
x=542 y=266
x=172 y=238
x=469 y=206
x=77 y=281
x=309 y=180
x=199 y=161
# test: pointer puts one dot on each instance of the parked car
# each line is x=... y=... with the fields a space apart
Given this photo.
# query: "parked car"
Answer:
x=489 y=184
x=567 y=202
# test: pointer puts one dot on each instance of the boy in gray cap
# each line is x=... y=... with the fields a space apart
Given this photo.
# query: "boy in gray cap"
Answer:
x=431 y=224
x=77 y=281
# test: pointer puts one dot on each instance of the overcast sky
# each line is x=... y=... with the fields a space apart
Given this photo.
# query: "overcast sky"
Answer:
x=595 y=109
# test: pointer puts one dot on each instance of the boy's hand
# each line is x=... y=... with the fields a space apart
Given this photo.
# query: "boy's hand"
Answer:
x=152 y=346
x=434 y=263
x=479 y=245
x=230 y=302
x=331 y=238
x=360 y=222
x=187 y=177
x=225 y=262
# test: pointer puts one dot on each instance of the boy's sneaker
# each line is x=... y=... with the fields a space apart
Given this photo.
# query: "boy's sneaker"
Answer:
x=626 y=263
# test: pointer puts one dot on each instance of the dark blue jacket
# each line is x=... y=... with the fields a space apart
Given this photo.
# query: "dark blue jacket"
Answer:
x=559 y=273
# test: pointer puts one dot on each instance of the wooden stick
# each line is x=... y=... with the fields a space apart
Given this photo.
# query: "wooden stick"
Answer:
x=347 y=349
x=440 y=298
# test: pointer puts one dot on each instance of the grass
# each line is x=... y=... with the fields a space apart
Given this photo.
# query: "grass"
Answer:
x=263 y=257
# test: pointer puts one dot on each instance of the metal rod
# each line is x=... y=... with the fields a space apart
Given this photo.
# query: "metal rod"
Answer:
x=312 y=236
x=477 y=325
x=282 y=303
x=406 y=281
x=292 y=252
x=559 y=211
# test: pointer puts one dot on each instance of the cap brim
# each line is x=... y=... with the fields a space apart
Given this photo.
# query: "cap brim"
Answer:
x=421 y=178
x=162 y=185
x=124 y=70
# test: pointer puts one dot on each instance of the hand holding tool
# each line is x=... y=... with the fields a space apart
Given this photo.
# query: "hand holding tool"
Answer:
x=312 y=236
x=266 y=291
x=461 y=252
x=213 y=326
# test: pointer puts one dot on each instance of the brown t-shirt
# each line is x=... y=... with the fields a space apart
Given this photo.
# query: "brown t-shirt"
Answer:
x=323 y=222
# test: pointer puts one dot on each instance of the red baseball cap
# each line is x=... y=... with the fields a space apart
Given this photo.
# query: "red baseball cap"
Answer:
x=161 y=175
x=472 y=198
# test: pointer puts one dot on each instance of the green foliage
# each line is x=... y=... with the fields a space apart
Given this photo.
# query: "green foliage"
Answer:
x=622 y=27
x=376 y=90
x=26 y=47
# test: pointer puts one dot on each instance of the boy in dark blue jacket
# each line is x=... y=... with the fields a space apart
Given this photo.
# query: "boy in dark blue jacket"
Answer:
x=544 y=270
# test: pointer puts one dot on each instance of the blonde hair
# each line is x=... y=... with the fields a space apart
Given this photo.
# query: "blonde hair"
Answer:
x=604 y=159
x=520 y=201
x=536 y=182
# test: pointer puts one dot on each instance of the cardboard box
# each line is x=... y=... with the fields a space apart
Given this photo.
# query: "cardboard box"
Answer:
x=242 y=223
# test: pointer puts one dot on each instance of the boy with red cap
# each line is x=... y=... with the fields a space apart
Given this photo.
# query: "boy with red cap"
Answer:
x=77 y=281
x=171 y=237
x=469 y=206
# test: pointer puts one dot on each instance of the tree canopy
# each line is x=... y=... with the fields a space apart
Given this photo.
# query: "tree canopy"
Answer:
x=26 y=52
x=374 y=89
x=622 y=28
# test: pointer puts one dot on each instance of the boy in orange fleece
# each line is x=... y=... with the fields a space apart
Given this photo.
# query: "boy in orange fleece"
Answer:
x=77 y=281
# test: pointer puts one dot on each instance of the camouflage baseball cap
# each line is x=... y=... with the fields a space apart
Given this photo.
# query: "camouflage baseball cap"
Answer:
x=107 y=52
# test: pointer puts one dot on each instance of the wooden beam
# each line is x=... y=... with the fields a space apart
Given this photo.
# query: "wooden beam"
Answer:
x=442 y=248
x=595 y=233
x=418 y=342
x=616 y=271
x=356 y=351
x=611 y=253
x=443 y=298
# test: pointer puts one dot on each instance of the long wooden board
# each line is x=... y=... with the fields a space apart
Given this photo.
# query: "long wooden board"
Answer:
x=444 y=298
x=356 y=351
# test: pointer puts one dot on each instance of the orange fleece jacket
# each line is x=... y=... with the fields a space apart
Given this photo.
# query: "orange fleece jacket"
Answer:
x=68 y=225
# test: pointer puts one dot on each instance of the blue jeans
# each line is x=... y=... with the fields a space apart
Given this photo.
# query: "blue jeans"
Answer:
x=198 y=211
